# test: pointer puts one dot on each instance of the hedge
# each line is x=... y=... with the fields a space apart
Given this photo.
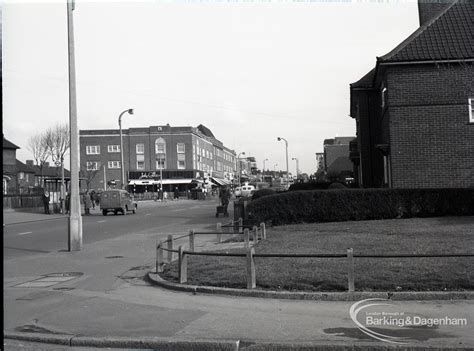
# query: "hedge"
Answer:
x=263 y=192
x=360 y=204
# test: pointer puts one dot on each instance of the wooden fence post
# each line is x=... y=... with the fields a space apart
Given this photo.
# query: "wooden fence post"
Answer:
x=246 y=238
x=191 y=240
x=264 y=231
x=255 y=235
x=241 y=224
x=170 y=247
x=183 y=266
x=159 y=258
x=350 y=272
x=251 y=279
x=219 y=230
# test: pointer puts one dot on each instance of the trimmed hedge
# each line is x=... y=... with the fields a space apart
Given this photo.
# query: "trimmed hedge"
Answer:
x=309 y=186
x=262 y=192
x=360 y=204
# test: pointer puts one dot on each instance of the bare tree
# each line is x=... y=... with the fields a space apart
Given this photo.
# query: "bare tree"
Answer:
x=58 y=143
x=88 y=175
x=39 y=149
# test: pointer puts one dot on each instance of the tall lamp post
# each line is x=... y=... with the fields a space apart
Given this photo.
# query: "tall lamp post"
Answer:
x=75 y=218
x=286 y=144
x=297 y=166
x=130 y=112
x=263 y=170
x=238 y=160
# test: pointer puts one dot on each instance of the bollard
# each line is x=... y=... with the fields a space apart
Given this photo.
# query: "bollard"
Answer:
x=241 y=224
x=255 y=235
x=183 y=266
x=264 y=231
x=159 y=258
x=191 y=240
x=219 y=230
x=246 y=238
x=170 y=247
x=350 y=273
x=251 y=279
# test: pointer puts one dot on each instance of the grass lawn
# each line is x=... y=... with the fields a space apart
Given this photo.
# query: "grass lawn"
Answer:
x=442 y=235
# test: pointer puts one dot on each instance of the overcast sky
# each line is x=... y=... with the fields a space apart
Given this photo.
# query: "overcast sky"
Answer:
x=248 y=70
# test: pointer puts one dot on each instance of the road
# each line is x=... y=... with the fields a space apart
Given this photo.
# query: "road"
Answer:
x=162 y=218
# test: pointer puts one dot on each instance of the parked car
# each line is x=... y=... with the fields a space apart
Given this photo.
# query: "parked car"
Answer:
x=244 y=190
x=117 y=200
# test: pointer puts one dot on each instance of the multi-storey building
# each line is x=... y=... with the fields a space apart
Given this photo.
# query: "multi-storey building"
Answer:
x=172 y=156
x=414 y=110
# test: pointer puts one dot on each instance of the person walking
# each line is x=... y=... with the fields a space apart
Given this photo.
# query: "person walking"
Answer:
x=45 y=198
x=176 y=193
x=225 y=198
x=87 y=203
x=93 y=199
x=68 y=202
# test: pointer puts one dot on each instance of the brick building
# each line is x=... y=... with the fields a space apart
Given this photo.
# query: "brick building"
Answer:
x=179 y=154
x=414 y=110
x=17 y=178
x=337 y=165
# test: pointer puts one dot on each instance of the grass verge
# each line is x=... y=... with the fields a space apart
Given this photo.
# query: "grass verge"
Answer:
x=445 y=235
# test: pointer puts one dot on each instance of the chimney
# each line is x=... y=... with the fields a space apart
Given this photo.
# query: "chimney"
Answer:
x=30 y=163
x=429 y=9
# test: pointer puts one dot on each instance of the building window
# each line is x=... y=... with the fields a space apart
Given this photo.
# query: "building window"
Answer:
x=92 y=150
x=181 y=161
x=384 y=96
x=113 y=148
x=181 y=148
x=160 y=162
x=160 y=146
x=92 y=165
x=140 y=149
x=140 y=162
x=471 y=110
x=21 y=175
x=114 y=164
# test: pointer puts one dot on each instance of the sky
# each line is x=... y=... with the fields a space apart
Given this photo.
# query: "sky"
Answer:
x=250 y=71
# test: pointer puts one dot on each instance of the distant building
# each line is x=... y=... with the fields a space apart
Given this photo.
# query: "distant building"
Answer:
x=179 y=154
x=414 y=110
x=337 y=165
x=17 y=178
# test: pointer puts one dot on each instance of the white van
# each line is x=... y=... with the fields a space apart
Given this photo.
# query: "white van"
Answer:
x=244 y=190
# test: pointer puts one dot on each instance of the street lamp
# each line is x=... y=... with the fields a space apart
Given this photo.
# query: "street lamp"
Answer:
x=130 y=111
x=286 y=144
x=297 y=166
x=274 y=166
x=238 y=160
x=263 y=171
x=60 y=162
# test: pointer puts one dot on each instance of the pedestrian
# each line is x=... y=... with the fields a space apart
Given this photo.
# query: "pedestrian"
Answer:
x=225 y=198
x=165 y=196
x=46 y=201
x=93 y=199
x=68 y=203
x=176 y=193
x=87 y=203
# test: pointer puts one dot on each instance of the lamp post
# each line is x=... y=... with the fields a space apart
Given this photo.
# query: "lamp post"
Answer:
x=130 y=111
x=238 y=160
x=75 y=218
x=274 y=166
x=297 y=166
x=286 y=144
x=263 y=171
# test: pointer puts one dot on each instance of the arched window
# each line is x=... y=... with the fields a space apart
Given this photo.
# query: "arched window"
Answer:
x=160 y=151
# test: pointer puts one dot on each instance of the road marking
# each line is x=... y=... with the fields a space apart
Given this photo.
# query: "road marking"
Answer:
x=148 y=214
x=101 y=221
x=25 y=233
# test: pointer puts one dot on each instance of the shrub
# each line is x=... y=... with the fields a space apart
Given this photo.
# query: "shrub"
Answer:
x=262 y=192
x=336 y=185
x=360 y=204
x=309 y=186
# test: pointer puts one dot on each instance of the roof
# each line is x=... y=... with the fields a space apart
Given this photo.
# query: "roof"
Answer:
x=365 y=81
x=50 y=171
x=448 y=36
x=9 y=145
x=21 y=167
x=206 y=131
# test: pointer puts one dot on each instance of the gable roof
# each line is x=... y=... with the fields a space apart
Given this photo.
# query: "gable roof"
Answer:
x=448 y=36
x=9 y=145
x=50 y=171
x=365 y=81
x=21 y=167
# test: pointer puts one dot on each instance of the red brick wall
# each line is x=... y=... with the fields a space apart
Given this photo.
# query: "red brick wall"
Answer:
x=431 y=139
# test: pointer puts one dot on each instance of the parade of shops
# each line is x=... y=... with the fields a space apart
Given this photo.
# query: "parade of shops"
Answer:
x=156 y=157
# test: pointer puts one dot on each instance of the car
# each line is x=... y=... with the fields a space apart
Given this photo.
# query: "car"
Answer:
x=116 y=201
x=244 y=190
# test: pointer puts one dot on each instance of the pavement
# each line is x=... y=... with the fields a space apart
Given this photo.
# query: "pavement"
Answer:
x=100 y=297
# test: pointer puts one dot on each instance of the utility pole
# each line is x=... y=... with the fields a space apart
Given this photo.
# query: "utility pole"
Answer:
x=75 y=219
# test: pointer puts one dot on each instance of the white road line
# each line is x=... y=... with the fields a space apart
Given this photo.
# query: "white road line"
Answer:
x=148 y=214
x=101 y=221
x=25 y=233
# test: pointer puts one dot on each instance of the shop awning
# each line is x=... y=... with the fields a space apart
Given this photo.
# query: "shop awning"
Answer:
x=157 y=182
x=220 y=181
